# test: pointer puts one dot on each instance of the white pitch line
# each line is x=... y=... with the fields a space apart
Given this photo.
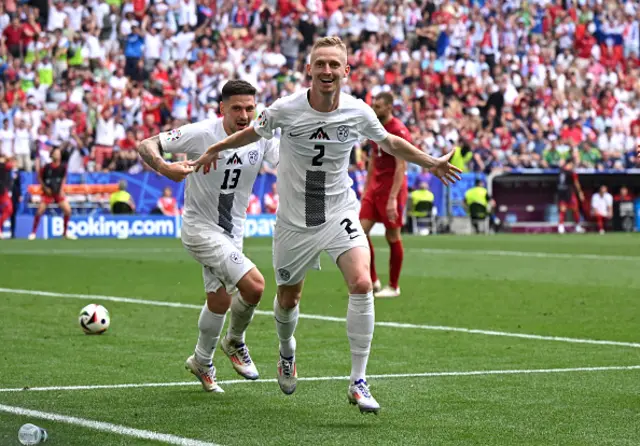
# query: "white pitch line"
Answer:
x=105 y=427
x=319 y=317
x=531 y=254
x=329 y=378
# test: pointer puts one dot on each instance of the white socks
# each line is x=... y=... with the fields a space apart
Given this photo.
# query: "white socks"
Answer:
x=210 y=325
x=360 y=321
x=241 y=315
x=286 y=321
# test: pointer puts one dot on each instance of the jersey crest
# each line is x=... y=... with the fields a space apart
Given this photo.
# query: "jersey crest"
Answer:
x=343 y=133
x=253 y=157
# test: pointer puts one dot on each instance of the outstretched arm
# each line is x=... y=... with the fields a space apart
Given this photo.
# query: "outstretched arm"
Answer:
x=238 y=139
x=440 y=167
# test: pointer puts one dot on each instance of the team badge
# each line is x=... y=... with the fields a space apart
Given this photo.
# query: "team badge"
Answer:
x=343 y=133
x=262 y=119
x=284 y=274
x=253 y=157
x=174 y=135
x=236 y=257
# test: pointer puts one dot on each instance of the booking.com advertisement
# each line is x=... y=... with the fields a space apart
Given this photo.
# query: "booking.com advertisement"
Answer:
x=125 y=226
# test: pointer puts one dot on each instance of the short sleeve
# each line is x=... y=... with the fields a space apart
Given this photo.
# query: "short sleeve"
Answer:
x=190 y=138
x=371 y=127
x=272 y=151
x=269 y=120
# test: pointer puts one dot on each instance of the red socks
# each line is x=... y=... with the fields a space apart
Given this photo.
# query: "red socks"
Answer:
x=36 y=222
x=372 y=269
x=395 y=263
x=66 y=223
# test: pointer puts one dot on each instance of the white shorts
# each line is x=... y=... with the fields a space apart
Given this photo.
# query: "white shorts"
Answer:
x=223 y=263
x=295 y=252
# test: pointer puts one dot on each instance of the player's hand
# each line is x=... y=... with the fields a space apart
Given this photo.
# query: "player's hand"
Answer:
x=581 y=196
x=206 y=161
x=445 y=171
x=177 y=171
x=392 y=210
x=47 y=191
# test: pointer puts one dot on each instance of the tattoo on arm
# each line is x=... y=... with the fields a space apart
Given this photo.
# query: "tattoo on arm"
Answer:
x=151 y=152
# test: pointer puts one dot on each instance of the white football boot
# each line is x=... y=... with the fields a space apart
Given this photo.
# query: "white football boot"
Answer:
x=240 y=359
x=70 y=236
x=377 y=286
x=205 y=374
x=32 y=236
x=560 y=229
x=387 y=293
x=287 y=374
x=580 y=229
x=360 y=395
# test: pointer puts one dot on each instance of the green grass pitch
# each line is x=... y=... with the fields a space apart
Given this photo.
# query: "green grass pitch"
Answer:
x=579 y=287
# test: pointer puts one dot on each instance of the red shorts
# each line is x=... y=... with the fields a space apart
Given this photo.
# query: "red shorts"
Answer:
x=571 y=204
x=6 y=205
x=55 y=198
x=374 y=208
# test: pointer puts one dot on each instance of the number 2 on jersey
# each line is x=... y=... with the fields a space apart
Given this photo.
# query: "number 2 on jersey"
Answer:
x=234 y=179
x=317 y=160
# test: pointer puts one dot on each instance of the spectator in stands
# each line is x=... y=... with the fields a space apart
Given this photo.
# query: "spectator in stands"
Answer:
x=602 y=207
x=271 y=200
x=6 y=139
x=121 y=201
x=167 y=204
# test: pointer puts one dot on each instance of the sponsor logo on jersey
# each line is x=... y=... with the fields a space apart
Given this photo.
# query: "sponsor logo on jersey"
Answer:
x=320 y=134
x=236 y=257
x=174 y=135
x=284 y=274
x=253 y=157
x=343 y=133
x=235 y=160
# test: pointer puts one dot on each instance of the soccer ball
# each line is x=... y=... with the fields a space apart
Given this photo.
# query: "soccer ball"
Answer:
x=94 y=319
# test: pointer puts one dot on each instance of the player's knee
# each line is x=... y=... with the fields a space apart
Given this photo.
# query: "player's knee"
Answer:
x=252 y=288
x=361 y=284
x=393 y=236
x=289 y=298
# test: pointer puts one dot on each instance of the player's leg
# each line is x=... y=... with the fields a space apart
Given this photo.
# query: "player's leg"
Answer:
x=6 y=209
x=367 y=220
x=354 y=265
x=575 y=209
x=562 y=210
x=210 y=325
x=244 y=300
x=293 y=254
x=36 y=219
x=394 y=238
x=396 y=257
x=66 y=214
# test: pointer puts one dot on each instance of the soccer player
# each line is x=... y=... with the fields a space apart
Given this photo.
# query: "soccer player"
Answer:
x=386 y=196
x=52 y=178
x=213 y=226
x=568 y=187
x=6 y=205
x=318 y=209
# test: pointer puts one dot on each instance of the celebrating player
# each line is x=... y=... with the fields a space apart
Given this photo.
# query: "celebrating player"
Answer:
x=385 y=196
x=213 y=226
x=52 y=178
x=318 y=210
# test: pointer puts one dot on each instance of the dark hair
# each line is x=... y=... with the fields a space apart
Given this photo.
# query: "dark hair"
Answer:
x=237 y=87
x=386 y=97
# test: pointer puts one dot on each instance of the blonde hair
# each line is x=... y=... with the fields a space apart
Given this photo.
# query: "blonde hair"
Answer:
x=329 y=41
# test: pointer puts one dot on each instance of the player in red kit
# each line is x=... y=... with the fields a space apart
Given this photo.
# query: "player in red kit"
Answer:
x=385 y=196
x=6 y=206
x=569 y=191
x=52 y=178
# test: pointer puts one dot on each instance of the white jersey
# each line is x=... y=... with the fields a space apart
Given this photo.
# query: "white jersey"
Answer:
x=315 y=147
x=220 y=198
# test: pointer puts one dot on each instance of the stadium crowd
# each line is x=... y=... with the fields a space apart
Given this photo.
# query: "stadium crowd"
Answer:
x=506 y=84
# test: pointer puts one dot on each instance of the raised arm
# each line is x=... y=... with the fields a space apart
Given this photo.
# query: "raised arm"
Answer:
x=238 y=139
